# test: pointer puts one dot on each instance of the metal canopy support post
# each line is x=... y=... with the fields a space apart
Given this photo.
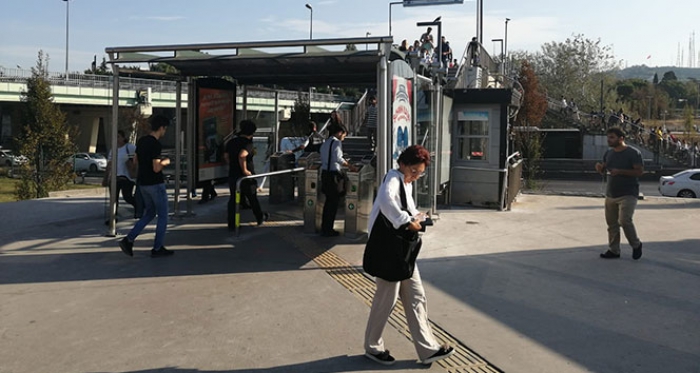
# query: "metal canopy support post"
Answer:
x=277 y=121
x=178 y=145
x=113 y=167
x=189 y=134
x=245 y=103
x=437 y=134
x=382 y=113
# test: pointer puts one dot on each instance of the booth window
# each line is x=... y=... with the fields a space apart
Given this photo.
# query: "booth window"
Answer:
x=473 y=139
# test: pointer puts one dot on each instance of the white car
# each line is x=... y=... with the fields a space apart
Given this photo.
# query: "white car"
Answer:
x=685 y=184
x=8 y=159
x=92 y=162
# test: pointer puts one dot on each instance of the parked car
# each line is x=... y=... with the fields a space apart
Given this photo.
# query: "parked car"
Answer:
x=92 y=162
x=8 y=159
x=685 y=184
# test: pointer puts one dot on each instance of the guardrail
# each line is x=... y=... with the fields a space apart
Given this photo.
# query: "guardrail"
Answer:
x=238 y=190
x=13 y=75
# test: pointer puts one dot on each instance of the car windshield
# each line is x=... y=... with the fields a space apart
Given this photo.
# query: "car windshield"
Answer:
x=97 y=156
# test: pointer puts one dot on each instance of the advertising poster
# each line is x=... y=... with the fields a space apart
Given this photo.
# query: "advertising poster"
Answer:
x=401 y=117
x=215 y=120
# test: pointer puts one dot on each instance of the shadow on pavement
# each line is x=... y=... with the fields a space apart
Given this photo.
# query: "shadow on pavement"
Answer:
x=608 y=316
x=336 y=364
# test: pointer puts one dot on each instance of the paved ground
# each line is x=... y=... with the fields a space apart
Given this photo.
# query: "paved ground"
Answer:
x=524 y=289
x=648 y=188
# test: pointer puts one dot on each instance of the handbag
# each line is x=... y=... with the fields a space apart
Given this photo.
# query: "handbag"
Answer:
x=339 y=179
x=390 y=253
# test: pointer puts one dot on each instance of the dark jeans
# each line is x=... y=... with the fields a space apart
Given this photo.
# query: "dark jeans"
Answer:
x=248 y=193
x=155 y=199
x=330 y=207
x=126 y=188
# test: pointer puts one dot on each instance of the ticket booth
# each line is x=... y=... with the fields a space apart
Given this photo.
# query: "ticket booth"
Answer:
x=480 y=122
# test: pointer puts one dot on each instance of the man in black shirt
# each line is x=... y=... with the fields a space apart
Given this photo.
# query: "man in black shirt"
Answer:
x=152 y=185
x=624 y=165
x=239 y=156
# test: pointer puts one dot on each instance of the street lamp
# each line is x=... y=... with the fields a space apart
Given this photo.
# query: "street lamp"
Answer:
x=390 y=4
x=501 y=56
x=311 y=22
x=505 y=46
x=367 y=34
x=67 y=24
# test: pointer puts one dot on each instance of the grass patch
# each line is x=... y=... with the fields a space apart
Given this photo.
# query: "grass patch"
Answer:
x=7 y=188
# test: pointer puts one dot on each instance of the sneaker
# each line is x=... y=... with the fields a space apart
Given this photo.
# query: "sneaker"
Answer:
x=609 y=255
x=161 y=252
x=442 y=353
x=126 y=246
x=383 y=358
x=332 y=233
x=637 y=253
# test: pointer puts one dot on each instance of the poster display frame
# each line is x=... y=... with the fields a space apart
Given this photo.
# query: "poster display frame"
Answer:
x=213 y=122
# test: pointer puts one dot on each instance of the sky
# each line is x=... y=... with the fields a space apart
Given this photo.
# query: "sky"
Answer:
x=638 y=31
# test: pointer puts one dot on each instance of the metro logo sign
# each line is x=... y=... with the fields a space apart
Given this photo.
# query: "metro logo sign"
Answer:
x=431 y=2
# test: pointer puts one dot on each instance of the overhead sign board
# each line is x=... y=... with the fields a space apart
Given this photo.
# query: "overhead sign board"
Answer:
x=431 y=2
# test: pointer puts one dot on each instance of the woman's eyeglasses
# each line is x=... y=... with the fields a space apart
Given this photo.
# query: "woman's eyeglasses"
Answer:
x=416 y=173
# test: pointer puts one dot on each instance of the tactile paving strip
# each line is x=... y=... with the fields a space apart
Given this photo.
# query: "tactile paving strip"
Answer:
x=463 y=361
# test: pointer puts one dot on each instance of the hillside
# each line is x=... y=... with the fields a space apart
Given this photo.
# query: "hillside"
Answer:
x=646 y=72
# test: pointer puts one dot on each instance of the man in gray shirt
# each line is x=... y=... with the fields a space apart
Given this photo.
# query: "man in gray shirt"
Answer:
x=623 y=165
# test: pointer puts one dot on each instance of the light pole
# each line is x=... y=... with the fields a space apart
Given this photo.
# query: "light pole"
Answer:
x=505 y=47
x=390 y=5
x=311 y=22
x=501 y=57
x=367 y=34
x=67 y=28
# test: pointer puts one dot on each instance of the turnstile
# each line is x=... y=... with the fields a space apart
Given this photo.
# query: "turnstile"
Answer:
x=358 y=201
x=306 y=160
x=281 y=186
x=313 y=199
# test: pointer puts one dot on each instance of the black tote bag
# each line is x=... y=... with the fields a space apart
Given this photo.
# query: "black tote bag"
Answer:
x=390 y=253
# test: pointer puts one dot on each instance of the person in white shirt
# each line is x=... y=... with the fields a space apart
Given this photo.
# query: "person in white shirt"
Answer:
x=412 y=164
x=331 y=168
x=125 y=180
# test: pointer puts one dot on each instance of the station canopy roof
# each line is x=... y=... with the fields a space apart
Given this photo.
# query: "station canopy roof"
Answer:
x=297 y=62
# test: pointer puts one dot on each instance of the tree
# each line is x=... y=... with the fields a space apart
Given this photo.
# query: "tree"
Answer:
x=668 y=76
x=532 y=110
x=574 y=69
x=45 y=138
x=103 y=69
x=655 y=81
x=163 y=68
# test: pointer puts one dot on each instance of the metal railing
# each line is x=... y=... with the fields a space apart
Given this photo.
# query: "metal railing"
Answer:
x=76 y=79
x=238 y=190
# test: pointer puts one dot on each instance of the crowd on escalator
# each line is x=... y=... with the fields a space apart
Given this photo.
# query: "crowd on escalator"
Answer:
x=428 y=50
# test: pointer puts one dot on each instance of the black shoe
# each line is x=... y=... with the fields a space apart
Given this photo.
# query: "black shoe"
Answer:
x=609 y=255
x=161 y=252
x=442 y=353
x=637 y=253
x=333 y=233
x=265 y=217
x=383 y=358
x=126 y=246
